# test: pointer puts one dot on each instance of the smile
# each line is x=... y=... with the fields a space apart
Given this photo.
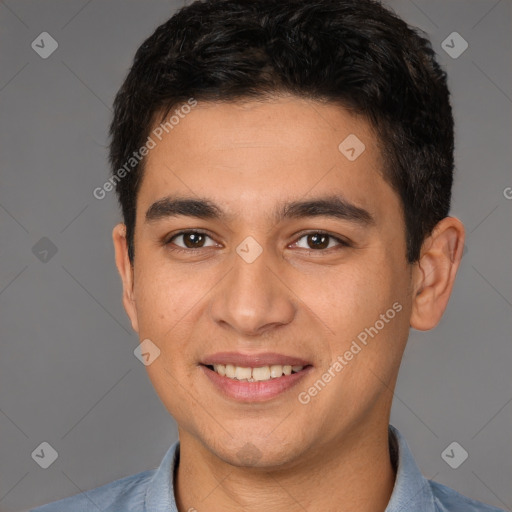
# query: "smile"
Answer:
x=262 y=373
x=255 y=377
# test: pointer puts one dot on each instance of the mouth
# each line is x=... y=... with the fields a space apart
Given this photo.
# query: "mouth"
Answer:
x=254 y=378
x=258 y=374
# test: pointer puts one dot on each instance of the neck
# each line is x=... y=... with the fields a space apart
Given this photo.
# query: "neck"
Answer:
x=352 y=473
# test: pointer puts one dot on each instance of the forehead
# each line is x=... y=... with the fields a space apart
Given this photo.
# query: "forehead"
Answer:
x=264 y=151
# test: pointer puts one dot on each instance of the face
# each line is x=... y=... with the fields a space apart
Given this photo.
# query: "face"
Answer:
x=290 y=252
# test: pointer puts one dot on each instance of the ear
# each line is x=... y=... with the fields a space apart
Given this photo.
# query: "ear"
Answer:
x=434 y=273
x=125 y=269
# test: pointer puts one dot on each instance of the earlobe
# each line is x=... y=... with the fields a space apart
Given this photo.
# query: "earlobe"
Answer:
x=125 y=269
x=434 y=273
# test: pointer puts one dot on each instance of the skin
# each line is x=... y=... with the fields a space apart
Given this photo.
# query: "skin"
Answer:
x=331 y=453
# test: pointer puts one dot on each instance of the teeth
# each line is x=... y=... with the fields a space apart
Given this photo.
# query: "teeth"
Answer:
x=276 y=370
x=230 y=371
x=261 y=373
x=242 y=373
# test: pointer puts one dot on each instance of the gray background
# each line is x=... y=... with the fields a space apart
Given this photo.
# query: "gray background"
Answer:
x=68 y=375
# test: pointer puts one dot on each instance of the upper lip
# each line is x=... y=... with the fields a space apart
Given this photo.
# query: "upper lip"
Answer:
x=253 y=360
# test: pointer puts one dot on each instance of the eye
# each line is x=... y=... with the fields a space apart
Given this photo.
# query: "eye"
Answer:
x=191 y=240
x=315 y=241
x=320 y=240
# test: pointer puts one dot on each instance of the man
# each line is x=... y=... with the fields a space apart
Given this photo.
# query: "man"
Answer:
x=284 y=170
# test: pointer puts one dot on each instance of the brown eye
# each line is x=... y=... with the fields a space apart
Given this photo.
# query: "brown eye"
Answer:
x=192 y=240
x=189 y=240
x=318 y=241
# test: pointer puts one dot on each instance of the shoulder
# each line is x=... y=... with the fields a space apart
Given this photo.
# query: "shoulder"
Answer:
x=133 y=493
x=449 y=500
x=128 y=492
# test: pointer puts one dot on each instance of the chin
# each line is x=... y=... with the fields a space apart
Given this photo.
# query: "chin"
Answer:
x=256 y=452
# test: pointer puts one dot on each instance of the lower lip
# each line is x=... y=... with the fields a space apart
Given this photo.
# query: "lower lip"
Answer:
x=258 y=391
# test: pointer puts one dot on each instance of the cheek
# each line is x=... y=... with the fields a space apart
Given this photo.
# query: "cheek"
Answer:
x=365 y=303
x=167 y=297
x=353 y=296
x=366 y=311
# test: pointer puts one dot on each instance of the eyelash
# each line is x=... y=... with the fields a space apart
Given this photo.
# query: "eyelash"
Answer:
x=177 y=249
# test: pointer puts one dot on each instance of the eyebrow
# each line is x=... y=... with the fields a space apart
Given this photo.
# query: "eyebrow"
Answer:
x=326 y=206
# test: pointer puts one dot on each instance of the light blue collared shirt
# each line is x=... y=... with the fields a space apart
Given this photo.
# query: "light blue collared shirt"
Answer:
x=152 y=491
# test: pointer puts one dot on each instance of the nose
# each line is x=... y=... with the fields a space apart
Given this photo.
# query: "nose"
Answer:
x=253 y=297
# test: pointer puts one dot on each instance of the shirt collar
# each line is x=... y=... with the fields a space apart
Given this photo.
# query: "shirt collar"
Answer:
x=411 y=491
x=160 y=491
